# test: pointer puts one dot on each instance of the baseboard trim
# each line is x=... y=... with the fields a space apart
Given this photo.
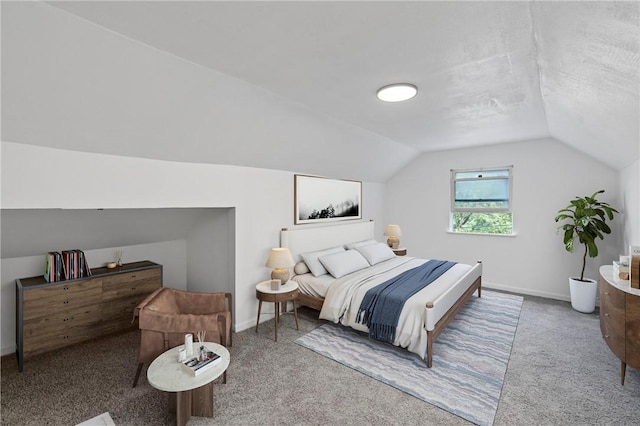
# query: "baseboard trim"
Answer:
x=519 y=290
x=252 y=323
x=8 y=350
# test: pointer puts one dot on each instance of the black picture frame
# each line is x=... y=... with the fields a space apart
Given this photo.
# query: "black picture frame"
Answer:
x=319 y=199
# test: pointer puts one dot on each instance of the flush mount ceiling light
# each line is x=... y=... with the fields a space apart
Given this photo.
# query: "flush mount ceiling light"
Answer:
x=397 y=92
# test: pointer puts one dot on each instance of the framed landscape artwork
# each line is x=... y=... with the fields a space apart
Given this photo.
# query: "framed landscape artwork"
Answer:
x=319 y=199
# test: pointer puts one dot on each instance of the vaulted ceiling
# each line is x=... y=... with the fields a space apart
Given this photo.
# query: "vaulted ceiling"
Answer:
x=303 y=77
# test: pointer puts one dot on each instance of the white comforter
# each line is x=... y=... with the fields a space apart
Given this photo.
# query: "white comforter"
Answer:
x=344 y=296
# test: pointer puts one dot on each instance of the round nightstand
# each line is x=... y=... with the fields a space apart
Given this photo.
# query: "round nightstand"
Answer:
x=286 y=292
x=400 y=251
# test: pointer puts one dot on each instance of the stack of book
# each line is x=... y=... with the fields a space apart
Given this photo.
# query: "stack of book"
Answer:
x=68 y=265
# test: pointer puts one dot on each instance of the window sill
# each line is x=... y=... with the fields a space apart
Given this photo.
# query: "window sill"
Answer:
x=483 y=235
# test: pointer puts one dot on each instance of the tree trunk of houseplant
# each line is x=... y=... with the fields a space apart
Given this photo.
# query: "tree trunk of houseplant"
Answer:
x=583 y=294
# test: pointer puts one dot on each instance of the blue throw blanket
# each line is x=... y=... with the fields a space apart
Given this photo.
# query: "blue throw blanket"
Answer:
x=381 y=306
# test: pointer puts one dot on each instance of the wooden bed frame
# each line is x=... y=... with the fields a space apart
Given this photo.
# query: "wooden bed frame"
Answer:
x=439 y=312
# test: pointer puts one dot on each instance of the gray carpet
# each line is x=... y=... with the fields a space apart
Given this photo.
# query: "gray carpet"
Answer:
x=560 y=372
x=473 y=355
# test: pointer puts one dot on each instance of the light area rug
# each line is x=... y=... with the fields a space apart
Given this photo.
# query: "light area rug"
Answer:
x=469 y=358
x=103 y=419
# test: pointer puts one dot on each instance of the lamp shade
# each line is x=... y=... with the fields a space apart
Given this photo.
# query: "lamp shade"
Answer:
x=393 y=231
x=280 y=258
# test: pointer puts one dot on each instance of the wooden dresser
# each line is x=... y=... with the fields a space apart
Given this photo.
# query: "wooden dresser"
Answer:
x=620 y=319
x=54 y=315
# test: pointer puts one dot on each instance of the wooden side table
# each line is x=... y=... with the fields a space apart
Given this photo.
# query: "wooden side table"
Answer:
x=400 y=251
x=286 y=292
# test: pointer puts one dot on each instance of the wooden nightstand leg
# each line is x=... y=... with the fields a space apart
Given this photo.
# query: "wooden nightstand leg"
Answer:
x=623 y=371
x=259 y=309
x=295 y=313
x=277 y=309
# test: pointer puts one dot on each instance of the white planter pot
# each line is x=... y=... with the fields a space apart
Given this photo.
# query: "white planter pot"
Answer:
x=583 y=294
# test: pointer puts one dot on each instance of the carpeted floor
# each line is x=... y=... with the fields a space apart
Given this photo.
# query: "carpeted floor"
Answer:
x=560 y=372
x=472 y=357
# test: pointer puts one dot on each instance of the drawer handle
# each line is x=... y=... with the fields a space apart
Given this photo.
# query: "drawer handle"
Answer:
x=65 y=302
x=65 y=287
x=607 y=315
x=606 y=336
x=133 y=276
x=133 y=288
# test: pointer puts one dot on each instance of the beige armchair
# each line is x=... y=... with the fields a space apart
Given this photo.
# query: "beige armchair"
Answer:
x=166 y=315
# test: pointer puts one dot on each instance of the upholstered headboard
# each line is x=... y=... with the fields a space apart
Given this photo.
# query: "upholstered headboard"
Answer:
x=302 y=240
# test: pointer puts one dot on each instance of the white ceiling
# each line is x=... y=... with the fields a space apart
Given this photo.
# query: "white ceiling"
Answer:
x=487 y=72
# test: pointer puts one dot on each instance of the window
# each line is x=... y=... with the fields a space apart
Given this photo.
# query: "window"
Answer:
x=481 y=201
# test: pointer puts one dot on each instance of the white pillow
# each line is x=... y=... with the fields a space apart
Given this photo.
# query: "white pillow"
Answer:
x=314 y=265
x=301 y=268
x=343 y=263
x=376 y=253
x=351 y=246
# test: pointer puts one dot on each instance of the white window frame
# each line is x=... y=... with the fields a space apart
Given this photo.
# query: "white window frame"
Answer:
x=454 y=209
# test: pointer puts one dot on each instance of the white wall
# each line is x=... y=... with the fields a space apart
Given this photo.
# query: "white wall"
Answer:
x=630 y=202
x=210 y=254
x=263 y=202
x=546 y=176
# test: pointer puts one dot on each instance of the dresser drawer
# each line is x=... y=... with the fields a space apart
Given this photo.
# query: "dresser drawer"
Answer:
x=62 y=320
x=612 y=318
x=612 y=298
x=59 y=339
x=632 y=332
x=120 y=307
x=131 y=284
x=41 y=302
x=614 y=337
x=118 y=314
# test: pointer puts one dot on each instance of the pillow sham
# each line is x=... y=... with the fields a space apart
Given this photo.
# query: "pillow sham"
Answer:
x=301 y=268
x=351 y=246
x=314 y=265
x=376 y=253
x=343 y=263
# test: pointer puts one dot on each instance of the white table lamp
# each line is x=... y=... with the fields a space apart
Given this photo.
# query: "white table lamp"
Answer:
x=280 y=260
x=393 y=232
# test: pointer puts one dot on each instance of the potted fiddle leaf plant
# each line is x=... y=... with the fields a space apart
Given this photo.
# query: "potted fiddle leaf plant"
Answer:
x=584 y=219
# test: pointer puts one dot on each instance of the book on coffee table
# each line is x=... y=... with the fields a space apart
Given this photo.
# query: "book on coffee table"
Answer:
x=195 y=365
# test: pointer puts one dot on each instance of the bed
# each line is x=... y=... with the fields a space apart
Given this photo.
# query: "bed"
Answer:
x=337 y=298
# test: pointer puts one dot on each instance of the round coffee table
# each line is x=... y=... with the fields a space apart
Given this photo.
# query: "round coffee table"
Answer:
x=193 y=394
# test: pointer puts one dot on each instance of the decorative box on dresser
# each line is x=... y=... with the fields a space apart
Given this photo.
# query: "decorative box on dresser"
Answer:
x=620 y=319
x=54 y=315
